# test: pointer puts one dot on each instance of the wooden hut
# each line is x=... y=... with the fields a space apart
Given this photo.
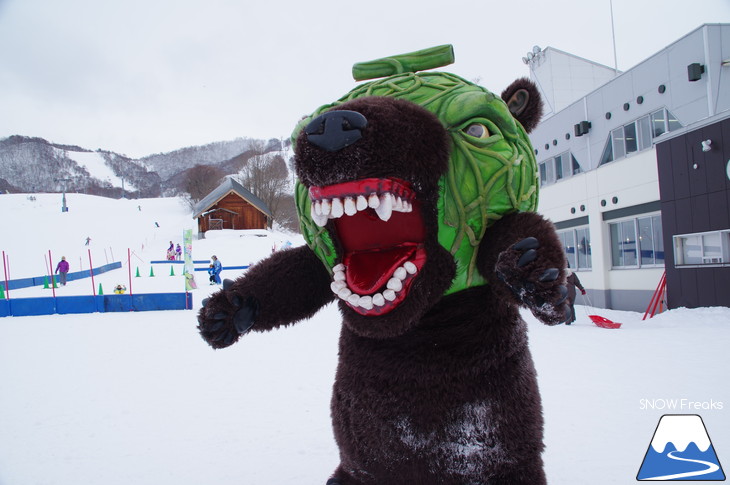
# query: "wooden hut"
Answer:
x=231 y=206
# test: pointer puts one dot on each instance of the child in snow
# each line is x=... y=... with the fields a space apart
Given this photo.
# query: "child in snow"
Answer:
x=62 y=270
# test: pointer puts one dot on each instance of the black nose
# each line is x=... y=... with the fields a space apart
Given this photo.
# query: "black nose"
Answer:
x=334 y=130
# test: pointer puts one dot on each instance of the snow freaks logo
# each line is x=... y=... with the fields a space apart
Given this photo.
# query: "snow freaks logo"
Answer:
x=681 y=450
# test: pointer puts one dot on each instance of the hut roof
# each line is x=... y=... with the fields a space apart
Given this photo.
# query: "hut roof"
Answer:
x=229 y=185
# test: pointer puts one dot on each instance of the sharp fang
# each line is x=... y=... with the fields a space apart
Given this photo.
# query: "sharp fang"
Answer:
x=385 y=209
x=400 y=273
x=378 y=299
x=338 y=210
x=366 y=302
x=410 y=267
x=318 y=219
x=373 y=201
x=394 y=284
x=389 y=295
x=336 y=286
x=362 y=203
x=326 y=207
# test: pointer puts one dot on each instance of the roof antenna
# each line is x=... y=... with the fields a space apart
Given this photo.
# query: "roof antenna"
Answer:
x=613 y=34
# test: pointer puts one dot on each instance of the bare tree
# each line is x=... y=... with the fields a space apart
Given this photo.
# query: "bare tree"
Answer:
x=201 y=180
x=265 y=175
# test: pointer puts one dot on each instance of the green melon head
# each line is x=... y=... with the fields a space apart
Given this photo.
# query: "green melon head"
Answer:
x=491 y=170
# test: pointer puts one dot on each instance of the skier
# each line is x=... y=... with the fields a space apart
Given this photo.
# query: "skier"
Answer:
x=217 y=268
x=62 y=270
x=571 y=282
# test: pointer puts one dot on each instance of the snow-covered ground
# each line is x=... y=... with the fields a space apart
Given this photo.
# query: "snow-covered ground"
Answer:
x=139 y=398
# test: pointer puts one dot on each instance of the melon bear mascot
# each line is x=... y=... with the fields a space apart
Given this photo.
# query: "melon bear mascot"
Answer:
x=416 y=194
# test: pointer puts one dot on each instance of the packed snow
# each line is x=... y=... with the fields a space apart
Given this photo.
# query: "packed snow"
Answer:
x=139 y=398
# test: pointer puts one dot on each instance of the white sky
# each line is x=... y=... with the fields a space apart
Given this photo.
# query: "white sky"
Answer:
x=147 y=76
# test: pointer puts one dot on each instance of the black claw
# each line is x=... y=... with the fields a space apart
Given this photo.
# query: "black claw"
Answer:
x=550 y=274
x=527 y=243
x=227 y=284
x=527 y=258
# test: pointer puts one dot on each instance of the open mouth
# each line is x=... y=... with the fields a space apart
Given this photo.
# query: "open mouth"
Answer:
x=379 y=227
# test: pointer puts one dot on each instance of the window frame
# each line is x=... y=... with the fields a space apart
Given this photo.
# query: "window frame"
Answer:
x=657 y=242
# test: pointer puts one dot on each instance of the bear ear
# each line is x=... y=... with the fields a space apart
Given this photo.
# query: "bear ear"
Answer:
x=524 y=102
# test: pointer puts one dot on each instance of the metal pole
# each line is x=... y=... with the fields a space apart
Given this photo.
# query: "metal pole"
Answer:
x=91 y=271
x=50 y=266
x=613 y=34
x=5 y=272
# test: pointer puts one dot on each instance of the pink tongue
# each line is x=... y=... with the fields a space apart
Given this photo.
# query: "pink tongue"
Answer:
x=369 y=271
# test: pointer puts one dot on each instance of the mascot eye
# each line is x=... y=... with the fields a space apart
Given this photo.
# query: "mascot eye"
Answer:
x=477 y=130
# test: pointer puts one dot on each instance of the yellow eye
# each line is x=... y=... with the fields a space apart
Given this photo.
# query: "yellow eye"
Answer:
x=477 y=130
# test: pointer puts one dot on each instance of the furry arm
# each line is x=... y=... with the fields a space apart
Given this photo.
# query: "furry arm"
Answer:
x=523 y=258
x=288 y=286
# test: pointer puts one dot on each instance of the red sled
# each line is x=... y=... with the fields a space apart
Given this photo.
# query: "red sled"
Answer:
x=603 y=322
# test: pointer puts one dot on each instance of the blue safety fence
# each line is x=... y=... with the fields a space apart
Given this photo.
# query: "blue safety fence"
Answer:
x=43 y=280
x=19 y=307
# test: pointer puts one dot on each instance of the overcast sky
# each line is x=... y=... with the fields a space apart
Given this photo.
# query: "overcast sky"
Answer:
x=145 y=76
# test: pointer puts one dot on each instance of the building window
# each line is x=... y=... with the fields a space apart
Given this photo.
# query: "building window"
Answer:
x=577 y=247
x=702 y=248
x=638 y=135
x=558 y=168
x=637 y=242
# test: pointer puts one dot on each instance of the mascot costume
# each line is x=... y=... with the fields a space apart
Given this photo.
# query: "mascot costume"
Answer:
x=416 y=194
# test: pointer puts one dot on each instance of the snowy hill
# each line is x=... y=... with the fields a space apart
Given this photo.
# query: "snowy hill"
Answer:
x=139 y=398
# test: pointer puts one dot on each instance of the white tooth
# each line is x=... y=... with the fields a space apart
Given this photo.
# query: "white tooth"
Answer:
x=350 y=208
x=366 y=302
x=410 y=267
x=326 y=207
x=398 y=206
x=395 y=284
x=336 y=286
x=385 y=209
x=318 y=219
x=400 y=273
x=344 y=293
x=373 y=201
x=378 y=299
x=389 y=295
x=337 y=208
x=339 y=276
x=362 y=203
x=339 y=267
x=353 y=299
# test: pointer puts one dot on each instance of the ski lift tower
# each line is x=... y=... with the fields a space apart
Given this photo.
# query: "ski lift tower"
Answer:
x=64 y=207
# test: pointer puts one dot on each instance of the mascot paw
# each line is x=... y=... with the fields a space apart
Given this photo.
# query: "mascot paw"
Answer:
x=534 y=281
x=225 y=316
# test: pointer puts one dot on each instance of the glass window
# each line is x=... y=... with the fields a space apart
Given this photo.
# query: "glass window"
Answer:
x=583 y=246
x=607 y=155
x=658 y=123
x=703 y=248
x=543 y=174
x=558 y=167
x=644 y=133
x=576 y=165
x=619 y=149
x=672 y=122
x=630 y=140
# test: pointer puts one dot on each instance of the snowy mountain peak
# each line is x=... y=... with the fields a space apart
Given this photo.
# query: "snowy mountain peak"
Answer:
x=680 y=430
